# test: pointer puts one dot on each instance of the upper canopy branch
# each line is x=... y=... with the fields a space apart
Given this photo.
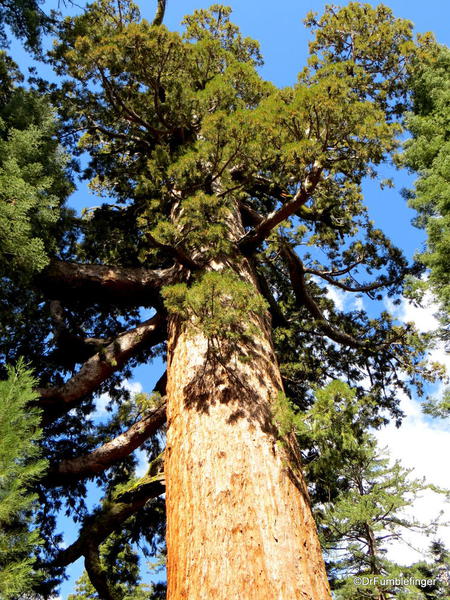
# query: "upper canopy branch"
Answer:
x=370 y=287
x=100 y=366
x=263 y=229
x=304 y=298
x=160 y=11
x=122 y=108
x=112 y=284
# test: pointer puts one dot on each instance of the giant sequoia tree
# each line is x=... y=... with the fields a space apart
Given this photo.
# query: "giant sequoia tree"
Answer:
x=231 y=207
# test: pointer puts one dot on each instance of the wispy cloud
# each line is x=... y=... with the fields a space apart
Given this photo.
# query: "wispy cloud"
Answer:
x=104 y=400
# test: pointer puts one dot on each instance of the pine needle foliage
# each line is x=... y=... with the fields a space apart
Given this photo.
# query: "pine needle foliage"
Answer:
x=426 y=154
x=33 y=182
x=20 y=466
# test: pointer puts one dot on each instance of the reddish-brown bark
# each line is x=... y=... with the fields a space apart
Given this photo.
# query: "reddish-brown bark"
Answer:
x=239 y=524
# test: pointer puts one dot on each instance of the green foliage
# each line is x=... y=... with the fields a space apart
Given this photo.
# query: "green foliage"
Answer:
x=202 y=223
x=368 y=513
x=26 y=20
x=426 y=153
x=365 y=40
x=360 y=498
x=84 y=590
x=33 y=183
x=284 y=417
x=219 y=304
x=436 y=570
x=20 y=466
x=438 y=407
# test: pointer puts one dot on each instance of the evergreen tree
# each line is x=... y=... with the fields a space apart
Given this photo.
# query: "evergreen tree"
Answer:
x=437 y=571
x=32 y=176
x=216 y=183
x=363 y=499
x=20 y=465
x=426 y=153
x=359 y=525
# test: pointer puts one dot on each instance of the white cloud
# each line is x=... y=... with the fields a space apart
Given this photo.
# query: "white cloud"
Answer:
x=345 y=300
x=338 y=296
x=358 y=303
x=424 y=317
x=421 y=444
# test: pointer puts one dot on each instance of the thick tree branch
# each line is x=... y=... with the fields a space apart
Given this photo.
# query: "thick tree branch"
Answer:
x=249 y=215
x=97 y=573
x=160 y=11
x=103 y=457
x=261 y=231
x=100 y=366
x=113 y=513
x=103 y=283
x=70 y=347
x=297 y=277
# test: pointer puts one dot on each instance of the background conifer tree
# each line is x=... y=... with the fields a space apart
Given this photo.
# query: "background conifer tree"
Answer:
x=20 y=466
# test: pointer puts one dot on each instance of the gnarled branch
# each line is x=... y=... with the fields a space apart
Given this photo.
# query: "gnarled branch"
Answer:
x=261 y=231
x=304 y=298
x=103 y=457
x=119 y=285
x=99 y=367
x=370 y=287
x=160 y=11
x=113 y=513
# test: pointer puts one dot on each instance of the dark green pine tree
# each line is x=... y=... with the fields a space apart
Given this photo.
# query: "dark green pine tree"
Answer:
x=436 y=572
x=20 y=465
x=426 y=154
x=230 y=208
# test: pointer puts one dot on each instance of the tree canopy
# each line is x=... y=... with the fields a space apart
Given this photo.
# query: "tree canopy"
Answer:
x=206 y=173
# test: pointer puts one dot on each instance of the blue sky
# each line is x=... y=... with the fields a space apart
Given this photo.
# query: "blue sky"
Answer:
x=283 y=38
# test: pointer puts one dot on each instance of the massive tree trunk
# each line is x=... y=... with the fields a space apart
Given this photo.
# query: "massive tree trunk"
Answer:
x=239 y=524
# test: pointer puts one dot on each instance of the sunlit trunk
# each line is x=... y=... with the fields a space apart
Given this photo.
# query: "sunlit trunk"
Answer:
x=239 y=524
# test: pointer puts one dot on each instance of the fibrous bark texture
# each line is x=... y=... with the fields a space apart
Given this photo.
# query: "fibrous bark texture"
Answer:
x=239 y=524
